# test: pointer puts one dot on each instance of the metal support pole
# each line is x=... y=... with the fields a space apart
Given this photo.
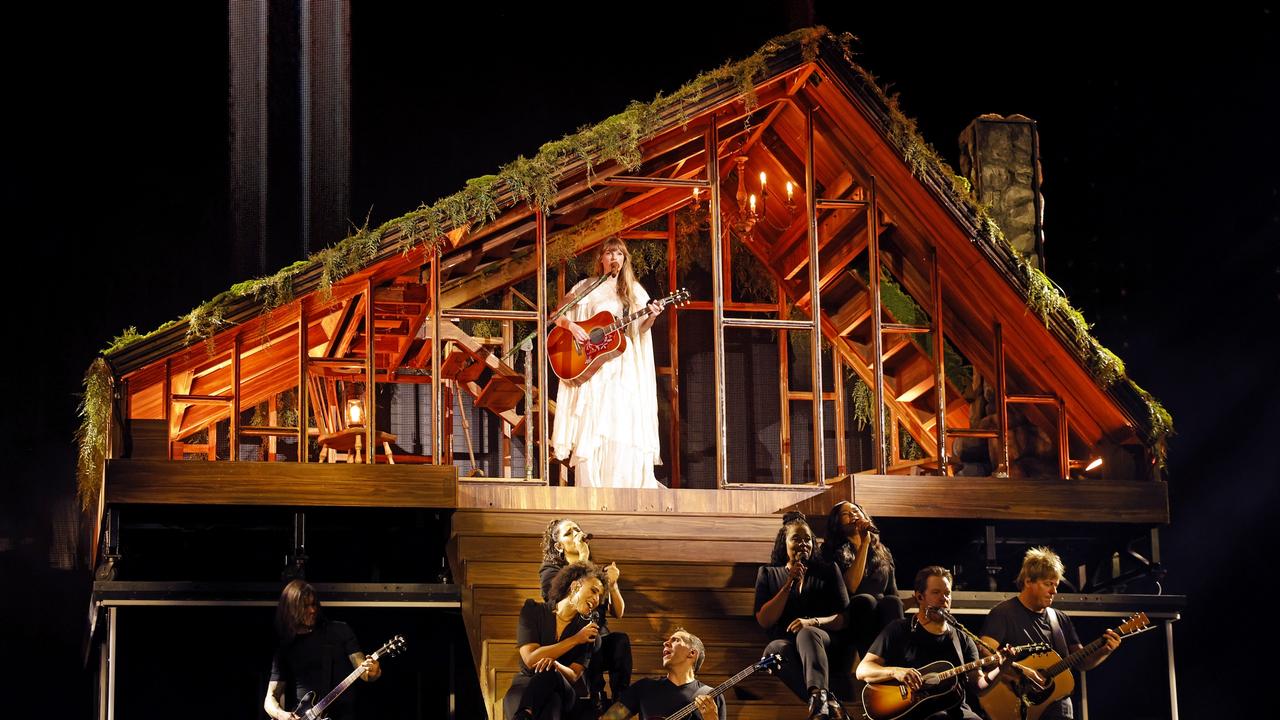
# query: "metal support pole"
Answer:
x=111 y=663
x=296 y=566
x=528 y=408
x=1002 y=411
x=939 y=360
x=877 y=336
x=1084 y=695
x=544 y=457
x=1173 y=673
x=304 y=387
x=815 y=303
x=673 y=342
x=717 y=299
x=437 y=393
x=1064 y=439
x=371 y=379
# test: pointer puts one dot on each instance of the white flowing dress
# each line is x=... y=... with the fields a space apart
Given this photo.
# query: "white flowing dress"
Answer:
x=607 y=427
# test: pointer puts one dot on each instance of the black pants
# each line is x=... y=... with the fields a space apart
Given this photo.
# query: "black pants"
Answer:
x=547 y=693
x=804 y=660
x=866 y=617
x=615 y=656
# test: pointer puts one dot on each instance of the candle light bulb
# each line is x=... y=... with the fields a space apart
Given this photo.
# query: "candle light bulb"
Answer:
x=753 y=203
x=762 y=180
x=790 y=188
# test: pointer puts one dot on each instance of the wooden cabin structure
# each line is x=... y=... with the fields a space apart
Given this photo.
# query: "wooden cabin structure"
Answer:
x=848 y=206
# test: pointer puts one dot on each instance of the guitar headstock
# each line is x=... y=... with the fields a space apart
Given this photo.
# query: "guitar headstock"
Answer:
x=679 y=297
x=769 y=663
x=1021 y=652
x=391 y=648
x=1135 y=624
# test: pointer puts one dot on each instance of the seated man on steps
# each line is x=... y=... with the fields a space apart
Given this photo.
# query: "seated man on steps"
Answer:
x=682 y=656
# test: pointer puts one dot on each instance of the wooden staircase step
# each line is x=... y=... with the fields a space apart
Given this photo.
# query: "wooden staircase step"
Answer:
x=641 y=601
x=622 y=550
x=462 y=365
x=767 y=689
x=647 y=574
x=646 y=657
x=617 y=524
x=713 y=631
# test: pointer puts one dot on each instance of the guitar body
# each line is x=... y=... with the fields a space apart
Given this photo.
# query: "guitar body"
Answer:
x=1003 y=701
x=574 y=363
x=891 y=701
x=305 y=707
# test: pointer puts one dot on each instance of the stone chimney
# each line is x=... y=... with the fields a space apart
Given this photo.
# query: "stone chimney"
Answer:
x=1001 y=158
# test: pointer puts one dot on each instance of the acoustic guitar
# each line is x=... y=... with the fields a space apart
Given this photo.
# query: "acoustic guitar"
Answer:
x=308 y=709
x=766 y=664
x=575 y=362
x=1003 y=702
x=940 y=688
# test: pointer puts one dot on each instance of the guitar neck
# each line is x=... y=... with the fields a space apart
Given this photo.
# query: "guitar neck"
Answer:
x=962 y=669
x=717 y=691
x=1075 y=659
x=319 y=708
x=626 y=320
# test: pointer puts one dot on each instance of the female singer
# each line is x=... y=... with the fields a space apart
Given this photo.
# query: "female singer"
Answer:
x=799 y=600
x=556 y=640
x=564 y=543
x=853 y=544
x=606 y=427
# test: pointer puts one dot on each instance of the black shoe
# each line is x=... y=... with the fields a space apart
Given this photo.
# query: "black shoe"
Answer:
x=818 y=706
x=834 y=708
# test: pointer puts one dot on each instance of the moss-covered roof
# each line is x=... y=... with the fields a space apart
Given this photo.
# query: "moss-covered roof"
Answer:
x=618 y=139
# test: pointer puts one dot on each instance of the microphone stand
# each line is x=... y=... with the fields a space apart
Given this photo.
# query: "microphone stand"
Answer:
x=558 y=313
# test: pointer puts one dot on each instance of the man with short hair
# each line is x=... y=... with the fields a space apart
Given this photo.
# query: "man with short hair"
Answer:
x=911 y=643
x=1028 y=618
x=682 y=656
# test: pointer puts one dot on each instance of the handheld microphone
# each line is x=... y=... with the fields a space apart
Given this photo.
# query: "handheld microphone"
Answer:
x=587 y=538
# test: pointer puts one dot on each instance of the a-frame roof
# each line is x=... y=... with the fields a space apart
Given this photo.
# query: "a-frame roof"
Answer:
x=485 y=234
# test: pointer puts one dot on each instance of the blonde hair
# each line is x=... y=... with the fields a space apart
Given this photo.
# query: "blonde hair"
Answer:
x=1040 y=563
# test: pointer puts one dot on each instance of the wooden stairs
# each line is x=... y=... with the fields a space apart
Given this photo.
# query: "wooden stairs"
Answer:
x=695 y=571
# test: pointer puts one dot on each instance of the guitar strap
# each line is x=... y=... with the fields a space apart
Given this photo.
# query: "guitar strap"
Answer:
x=1059 y=639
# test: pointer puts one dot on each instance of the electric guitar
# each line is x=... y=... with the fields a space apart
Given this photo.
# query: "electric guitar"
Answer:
x=306 y=710
x=767 y=664
x=574 y=362
x=1004 y=701
x=940 y=688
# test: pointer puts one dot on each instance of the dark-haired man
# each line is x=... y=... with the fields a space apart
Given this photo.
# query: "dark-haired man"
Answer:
x=911 y=643
x=682 y=656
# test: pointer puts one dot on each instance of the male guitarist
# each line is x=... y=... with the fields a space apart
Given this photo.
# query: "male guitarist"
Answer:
x=1028 y=617
x=914 y=642
x=314 y=655
x=682 y=656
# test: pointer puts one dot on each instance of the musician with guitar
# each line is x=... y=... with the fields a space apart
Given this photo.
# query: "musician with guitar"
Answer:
x=921 y=642
x=606 y=422
x=665 y=697
x=315 y=655
x=1028 y=617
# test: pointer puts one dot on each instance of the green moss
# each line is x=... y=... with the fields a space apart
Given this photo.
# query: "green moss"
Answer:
x=860 y=397
x=92 y=436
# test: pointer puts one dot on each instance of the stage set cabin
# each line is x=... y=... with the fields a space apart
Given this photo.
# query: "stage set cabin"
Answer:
x=835 y=266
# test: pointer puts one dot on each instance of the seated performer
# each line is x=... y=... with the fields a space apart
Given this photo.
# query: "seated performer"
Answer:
x=798 y=600
x=606 y=428
x=556 y=640
x=563 y=543
x=1028 y=617
x=910 y=643
x=682 y=656
x=315 y=654
x=852 y=544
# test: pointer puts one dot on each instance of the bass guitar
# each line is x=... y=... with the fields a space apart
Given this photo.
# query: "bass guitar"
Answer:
x=308 y=709
x=574 y=362
x=940 y=687
x=766 y=664
x=1051 y=679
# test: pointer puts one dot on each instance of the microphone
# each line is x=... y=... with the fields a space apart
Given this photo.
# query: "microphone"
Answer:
x=614 y=267
x=587 y=537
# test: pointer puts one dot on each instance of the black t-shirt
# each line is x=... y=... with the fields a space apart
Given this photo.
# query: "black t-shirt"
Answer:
x=659 y=697
x=1014 y=623
x=317 y=661
x=823 y=594
x=906 y=643
x=538 y=626
x=877 y=580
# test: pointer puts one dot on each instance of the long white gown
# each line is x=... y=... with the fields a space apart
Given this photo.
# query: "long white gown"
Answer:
x=607 y=427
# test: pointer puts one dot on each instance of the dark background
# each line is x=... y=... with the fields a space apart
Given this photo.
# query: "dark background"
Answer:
x=1158 y=133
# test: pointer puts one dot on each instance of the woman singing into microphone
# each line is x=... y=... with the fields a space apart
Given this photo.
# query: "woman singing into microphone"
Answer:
x=852 y=544
x=606 y=428
x=564 y=543
x=799 y=601
x=556 y=640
